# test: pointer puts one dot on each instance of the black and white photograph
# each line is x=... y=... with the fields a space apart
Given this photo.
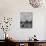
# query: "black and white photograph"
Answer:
x=26 y=19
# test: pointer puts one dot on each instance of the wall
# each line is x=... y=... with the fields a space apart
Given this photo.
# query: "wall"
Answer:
x=12 y=8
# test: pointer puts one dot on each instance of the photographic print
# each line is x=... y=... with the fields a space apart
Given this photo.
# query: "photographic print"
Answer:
x=26 y=19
